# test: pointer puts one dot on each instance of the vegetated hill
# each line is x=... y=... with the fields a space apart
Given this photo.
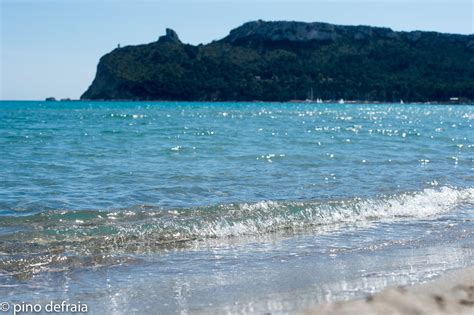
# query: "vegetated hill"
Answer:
x=281 y=61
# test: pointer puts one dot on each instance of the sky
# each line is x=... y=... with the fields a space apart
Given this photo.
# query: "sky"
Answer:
x=52 y=47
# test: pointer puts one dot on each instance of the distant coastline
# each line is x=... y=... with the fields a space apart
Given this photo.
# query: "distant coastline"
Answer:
x=285 y=61
x=332 y=102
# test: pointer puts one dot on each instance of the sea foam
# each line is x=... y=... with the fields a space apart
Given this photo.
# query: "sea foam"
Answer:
x=154 y=225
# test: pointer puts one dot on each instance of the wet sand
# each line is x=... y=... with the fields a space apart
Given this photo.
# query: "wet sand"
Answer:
x=452 y=293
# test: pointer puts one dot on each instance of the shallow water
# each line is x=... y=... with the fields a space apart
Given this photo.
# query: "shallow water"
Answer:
x=229 y=207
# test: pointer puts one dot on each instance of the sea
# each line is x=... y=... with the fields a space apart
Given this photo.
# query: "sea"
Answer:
x=229 y=208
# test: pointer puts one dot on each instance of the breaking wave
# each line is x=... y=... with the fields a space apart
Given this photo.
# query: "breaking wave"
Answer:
x=93 y=237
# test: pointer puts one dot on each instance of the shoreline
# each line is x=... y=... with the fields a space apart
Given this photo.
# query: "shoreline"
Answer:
x=326 y=102
x=451 y=293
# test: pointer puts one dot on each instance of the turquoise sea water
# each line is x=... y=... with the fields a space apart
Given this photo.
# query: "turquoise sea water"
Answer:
x=229 y=207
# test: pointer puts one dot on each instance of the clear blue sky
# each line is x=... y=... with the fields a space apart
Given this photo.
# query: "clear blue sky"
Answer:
x=51 y=47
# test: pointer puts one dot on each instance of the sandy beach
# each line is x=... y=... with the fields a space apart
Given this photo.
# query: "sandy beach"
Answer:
x=452 y=293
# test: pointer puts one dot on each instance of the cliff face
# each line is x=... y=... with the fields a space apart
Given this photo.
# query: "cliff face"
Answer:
x=279 y=61
x=260 y=31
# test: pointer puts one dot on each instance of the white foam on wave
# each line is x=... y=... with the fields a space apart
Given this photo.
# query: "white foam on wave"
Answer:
x=269 y=216
x=150 y=228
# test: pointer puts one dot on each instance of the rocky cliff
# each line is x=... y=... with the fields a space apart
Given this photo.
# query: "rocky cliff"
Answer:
x=280 y=61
